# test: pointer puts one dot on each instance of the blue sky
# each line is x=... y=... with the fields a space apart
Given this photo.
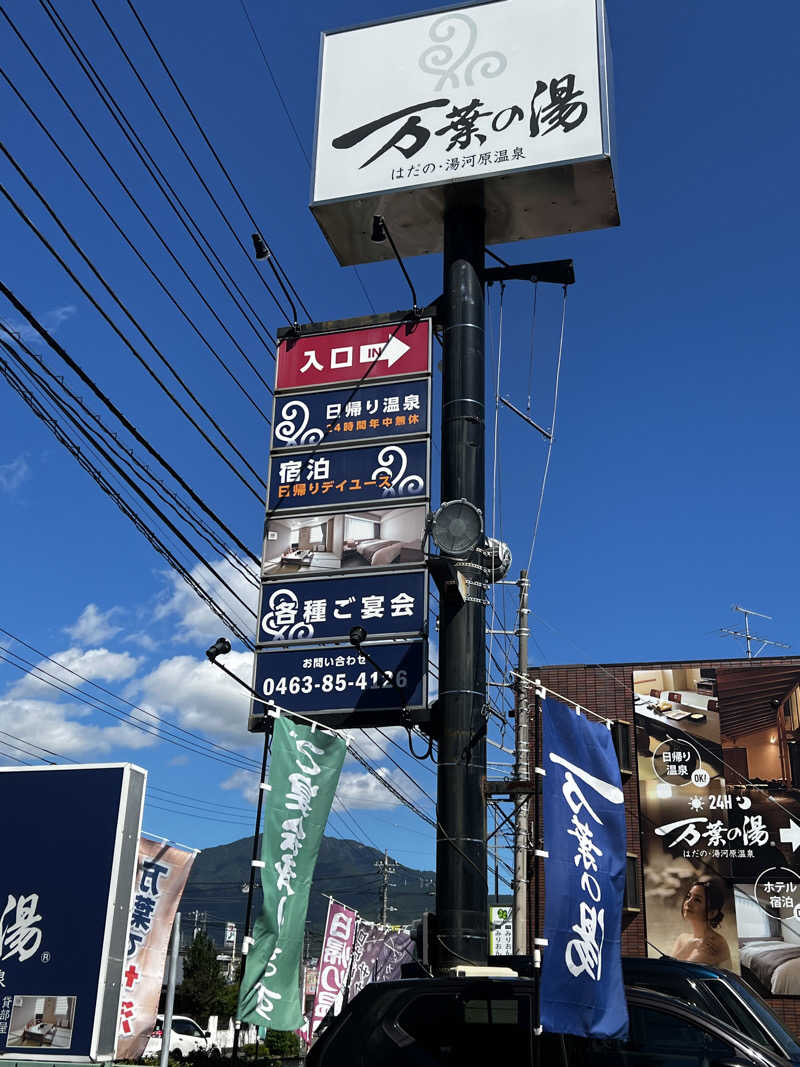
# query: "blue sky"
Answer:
x=670 y=485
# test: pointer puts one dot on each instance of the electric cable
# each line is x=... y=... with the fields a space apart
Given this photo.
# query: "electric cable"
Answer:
x=128 y=457
x=552 y=429
x=213 y=151
x=124 y=506
x=141 y=257
x=291 y=122
x=128 y=344
x=109 y=459
x=172 y=197
x=245 y=762
x=112 y=407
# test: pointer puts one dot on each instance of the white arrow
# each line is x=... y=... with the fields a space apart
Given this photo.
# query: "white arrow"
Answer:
x=791 y=834
x=393 y=350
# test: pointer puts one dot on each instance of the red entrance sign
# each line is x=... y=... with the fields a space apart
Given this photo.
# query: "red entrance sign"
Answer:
x=350 y=355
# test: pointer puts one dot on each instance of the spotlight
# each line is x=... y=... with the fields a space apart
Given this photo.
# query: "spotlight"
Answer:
x=260 y=247
x=378 y=229
x=220 y=648
x=457 y=527
x=357 y=635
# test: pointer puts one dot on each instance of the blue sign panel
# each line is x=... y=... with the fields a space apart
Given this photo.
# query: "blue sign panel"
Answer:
x=346 y=476
x=327 y=608
x=582 y=990
x=356 y=414
x=330 y=680
x=70 y=855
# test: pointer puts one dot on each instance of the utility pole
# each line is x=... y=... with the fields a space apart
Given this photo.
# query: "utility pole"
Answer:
x=461 y=883
x=519 y=930
x=386 y=869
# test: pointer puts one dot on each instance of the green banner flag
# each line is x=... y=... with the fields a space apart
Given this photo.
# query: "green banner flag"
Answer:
x=303 y=774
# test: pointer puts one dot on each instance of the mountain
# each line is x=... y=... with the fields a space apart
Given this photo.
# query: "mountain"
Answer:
x=346 y=870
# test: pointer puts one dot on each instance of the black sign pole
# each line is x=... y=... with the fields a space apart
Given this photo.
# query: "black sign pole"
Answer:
x=461 y=881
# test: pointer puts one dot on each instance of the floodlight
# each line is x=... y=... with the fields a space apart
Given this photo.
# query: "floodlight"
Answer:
x=457 y=527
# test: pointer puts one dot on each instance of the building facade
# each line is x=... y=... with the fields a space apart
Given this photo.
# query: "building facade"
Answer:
x=710 y=757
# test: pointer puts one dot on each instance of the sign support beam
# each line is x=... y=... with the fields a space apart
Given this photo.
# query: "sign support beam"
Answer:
x=461 y=886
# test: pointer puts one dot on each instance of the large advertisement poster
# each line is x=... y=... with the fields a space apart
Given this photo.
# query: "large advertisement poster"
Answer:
x=719 y=789
x=161 y=875
x=66 y=883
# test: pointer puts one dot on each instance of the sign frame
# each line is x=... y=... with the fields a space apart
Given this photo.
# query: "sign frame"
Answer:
x=345 y=577
x=310 y=452
x=283 y=397
x=344 y=511
x=121 y=883
x=352 y=717
x=579 y=190
x=289 y=336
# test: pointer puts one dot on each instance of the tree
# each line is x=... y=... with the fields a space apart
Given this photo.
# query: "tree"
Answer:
x=203 y=989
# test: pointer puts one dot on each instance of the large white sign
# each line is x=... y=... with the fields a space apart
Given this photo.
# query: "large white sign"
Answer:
x=491 y=90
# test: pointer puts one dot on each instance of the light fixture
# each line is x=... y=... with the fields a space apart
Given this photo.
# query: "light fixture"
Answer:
x=378 y=229
x=773 y=740
x=457 y=527
x=260 y=246
x=357 y=635
x=221 y=647
x=499 y=559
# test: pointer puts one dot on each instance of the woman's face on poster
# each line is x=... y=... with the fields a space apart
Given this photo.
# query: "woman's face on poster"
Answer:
x=694 y=904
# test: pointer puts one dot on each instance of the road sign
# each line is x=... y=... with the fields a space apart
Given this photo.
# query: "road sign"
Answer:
x=317 y=609
x=368 y=353
x=368 y=539
x=389 y=409
x=514 y=95
x=338 y=686
x=349 y=476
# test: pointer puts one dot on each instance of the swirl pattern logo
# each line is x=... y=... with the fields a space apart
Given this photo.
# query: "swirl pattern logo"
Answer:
x=402 y=484
x=455 y=37
x=291 y=430
x=280 y=618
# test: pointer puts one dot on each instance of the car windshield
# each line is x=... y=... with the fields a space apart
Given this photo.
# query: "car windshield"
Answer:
x=786 y=1043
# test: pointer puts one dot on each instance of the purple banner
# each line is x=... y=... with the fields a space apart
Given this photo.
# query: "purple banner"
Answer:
x=378 y=954
x=337 y=948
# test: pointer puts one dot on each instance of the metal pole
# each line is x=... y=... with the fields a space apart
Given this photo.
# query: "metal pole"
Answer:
x=249 y=908
x=175 y=948
x=522 y=774
x=537 y=845
x=461 y=881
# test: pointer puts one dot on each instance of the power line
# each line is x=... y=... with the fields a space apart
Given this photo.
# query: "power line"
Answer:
x=246 y=762
x=288 y=115
x=112 y=407
x=135 y=487
x=160 y=180
x=128 y=344
x=213 y=151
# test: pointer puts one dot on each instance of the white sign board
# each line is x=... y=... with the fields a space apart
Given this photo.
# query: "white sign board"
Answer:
x=511 y=93
x=500 y=931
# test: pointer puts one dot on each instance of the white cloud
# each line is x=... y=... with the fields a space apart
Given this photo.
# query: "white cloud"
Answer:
x=51 y=320
x=195 y=620
x=13 y=474
x=93 y=625
x=178 y=761
x=62 y=729
x=246 y=782
x=200 y=696
x=95 y=664
x=143 y=640
x=357 y=789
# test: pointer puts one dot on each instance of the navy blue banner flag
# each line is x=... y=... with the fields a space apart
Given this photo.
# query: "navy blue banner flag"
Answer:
x=582 y=991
